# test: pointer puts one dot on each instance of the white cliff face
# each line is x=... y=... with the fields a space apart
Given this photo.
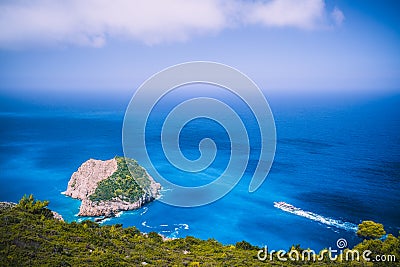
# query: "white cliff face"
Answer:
x=84 y=182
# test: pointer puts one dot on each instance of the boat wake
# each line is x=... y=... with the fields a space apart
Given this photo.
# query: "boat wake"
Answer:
x=316 y=217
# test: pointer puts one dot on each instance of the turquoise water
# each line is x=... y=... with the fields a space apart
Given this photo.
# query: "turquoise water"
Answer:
x=337 y=160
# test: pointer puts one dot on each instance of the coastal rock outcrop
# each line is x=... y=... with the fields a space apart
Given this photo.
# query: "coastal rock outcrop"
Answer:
x=57 y=216
x=85 y=180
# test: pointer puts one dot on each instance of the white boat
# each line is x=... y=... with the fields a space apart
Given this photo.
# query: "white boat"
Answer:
x=285 y=206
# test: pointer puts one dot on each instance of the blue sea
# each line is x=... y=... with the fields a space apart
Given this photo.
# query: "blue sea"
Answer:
x=337 y=160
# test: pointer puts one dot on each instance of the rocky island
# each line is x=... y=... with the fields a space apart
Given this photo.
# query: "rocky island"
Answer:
x=108 y=187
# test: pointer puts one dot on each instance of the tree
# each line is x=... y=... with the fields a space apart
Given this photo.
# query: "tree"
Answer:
x=155 y=236
x=33 y=206
x=245 y=245
x=370 y=230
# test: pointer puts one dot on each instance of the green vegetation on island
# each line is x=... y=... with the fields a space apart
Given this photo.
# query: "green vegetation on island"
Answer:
x=121 y=184
x=30 y=236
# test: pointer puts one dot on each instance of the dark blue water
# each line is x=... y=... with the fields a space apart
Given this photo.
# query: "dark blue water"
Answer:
x=335 y=158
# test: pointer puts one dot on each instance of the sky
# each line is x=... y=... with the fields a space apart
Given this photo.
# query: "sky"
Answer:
x=285 y=46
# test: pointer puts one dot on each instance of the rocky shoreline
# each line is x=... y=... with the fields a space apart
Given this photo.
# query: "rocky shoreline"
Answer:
x=84 y=182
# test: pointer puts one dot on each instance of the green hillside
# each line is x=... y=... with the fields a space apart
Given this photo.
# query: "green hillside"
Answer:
x=30 y=236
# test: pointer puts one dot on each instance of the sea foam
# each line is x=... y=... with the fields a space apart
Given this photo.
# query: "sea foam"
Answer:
x=316 y=217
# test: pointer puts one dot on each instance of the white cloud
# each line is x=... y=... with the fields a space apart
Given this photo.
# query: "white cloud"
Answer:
x=305 y=14
x=92 y=22
x=337 y=16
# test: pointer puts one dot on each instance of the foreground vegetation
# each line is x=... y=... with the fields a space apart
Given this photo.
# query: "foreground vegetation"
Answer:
x=30 y=236
x=121 y=184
